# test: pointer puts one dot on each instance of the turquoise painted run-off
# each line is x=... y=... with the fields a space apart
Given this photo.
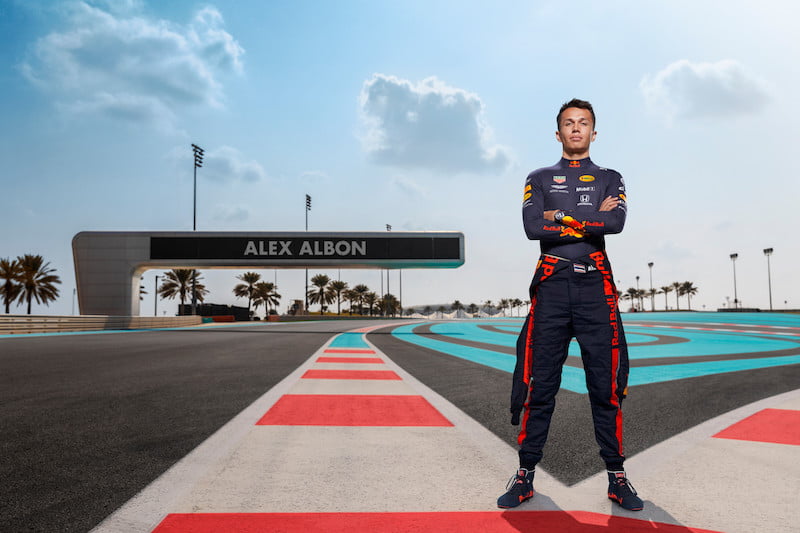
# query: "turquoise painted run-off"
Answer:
x=699 y=343
x=702 y=342
x=350 y=339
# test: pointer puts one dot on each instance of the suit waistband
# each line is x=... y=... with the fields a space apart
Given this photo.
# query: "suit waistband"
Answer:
x=584 y=260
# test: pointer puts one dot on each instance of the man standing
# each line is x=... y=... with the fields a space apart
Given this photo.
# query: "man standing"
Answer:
x=568 y=208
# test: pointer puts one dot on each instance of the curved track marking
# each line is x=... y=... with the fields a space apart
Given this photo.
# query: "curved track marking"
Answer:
x=686 y=345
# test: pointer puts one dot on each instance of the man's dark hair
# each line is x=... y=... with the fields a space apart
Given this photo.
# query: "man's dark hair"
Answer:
x=580 y=104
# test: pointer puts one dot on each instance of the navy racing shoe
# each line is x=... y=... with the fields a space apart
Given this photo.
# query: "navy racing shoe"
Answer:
x=621 y=491
x=519 y=489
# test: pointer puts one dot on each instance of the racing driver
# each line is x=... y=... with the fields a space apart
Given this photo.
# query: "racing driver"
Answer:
x=569 y=208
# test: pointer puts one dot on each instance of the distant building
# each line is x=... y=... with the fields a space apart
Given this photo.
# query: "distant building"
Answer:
x=239 y=313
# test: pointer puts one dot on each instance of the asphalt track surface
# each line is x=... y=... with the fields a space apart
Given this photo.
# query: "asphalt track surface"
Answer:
x=87 y=421
x=653 y=412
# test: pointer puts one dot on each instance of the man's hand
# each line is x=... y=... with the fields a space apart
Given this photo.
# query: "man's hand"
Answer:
x=550 y=215
x=611 y=202
x=573 y=227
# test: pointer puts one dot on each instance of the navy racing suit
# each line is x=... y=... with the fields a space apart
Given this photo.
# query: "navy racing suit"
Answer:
x=572 y=295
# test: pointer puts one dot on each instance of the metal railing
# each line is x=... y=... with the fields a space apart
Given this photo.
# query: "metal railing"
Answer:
x=17 y=324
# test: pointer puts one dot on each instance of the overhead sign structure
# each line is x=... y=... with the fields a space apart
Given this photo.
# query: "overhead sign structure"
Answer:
x=109 y=265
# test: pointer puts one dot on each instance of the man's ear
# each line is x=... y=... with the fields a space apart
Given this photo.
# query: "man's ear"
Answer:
x=558 y=136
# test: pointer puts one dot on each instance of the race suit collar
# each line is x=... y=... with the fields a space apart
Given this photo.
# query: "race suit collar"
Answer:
x=574 y=163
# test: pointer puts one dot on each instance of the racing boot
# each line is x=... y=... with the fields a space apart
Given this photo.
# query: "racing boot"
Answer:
x=621 y=491
x=518 y=489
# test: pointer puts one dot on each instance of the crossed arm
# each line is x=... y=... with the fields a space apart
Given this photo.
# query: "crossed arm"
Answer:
x=540 y=224
x=610 y=202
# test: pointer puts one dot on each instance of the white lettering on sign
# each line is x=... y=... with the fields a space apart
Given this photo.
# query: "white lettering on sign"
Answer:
x=251 y=249
x=340 y=248
x=305 y=248
x=268 y=248
x=357 y=248
x=311 y=248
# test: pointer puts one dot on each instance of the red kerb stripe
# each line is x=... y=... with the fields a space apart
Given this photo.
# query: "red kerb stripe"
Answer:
x=369 y=360
x=352 y=410
x=350 y=374
x=444 y=522
x=780 y=426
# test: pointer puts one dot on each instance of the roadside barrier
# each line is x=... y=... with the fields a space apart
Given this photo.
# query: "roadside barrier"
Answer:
x=16 y=324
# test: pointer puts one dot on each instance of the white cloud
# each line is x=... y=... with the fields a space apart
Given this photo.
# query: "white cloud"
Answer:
x=686 y=90
x=227 y=164
x=222 y=165
x=132 y=67
x=118 y=6
x=427 y=125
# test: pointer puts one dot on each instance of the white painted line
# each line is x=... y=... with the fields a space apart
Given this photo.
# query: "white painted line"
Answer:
x=648 y=461
x=699 y=481
x=383 y=387
x=504 y=456
x=147 y=509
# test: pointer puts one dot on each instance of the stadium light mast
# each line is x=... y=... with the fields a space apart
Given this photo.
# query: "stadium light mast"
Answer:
x=388 y=291
x=308 y=208
x=198 y=163
x=768 y=252
x=735 y=295
x=652 y=294
x=638 y=294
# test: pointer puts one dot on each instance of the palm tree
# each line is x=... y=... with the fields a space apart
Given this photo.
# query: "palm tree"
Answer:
x=457 y=306
x=319 y=293
x=389 y=304
x=246 y=289
x=504 y=304
x=178 y=282
x=370 y=299
x=489 y=306
x=361 y=291
x=630 y=294
x=9 y=272
x=37 y=280
x=427 y=311
x=652 y=293
x=472 y=308
x=335 y=288
x=351 y=296
x=666 y=289
x=688 y=288
x=516 y=302
x=678 y=293
x=264 y=293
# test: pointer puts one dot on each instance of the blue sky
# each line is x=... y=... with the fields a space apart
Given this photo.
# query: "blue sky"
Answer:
x=422 y=115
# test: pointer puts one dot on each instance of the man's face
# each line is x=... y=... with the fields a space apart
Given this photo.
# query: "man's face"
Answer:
x=576 y=130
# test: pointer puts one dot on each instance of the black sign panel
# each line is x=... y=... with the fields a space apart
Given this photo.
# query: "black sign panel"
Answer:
x=294 y=249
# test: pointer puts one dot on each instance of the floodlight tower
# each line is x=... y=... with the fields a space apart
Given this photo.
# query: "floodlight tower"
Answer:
x=198 y=163
x=768 y=252
x=308 y=208
x=735 y=294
